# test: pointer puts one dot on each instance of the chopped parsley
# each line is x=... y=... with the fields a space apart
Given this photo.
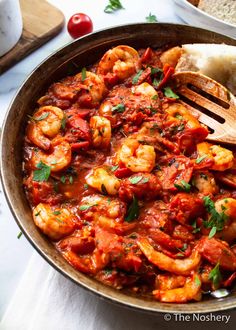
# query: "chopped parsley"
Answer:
x=217 y=220
x=197 y=281
x=86 y=186
x=137 y=179
x=113 y=5
x=151 y=18
x=63 y=123
x=215 y=275
x=118 y=108
x=43 y=172
x=133 y=211
x=136 y=77
x=169 y=93
x=19 y=235
x=200 y=159
x=44 y=116
x=63 y=179
x=154 y=97
x=114 y=168
x=56 y=212
x=86 y=207
x=184 y=186
x=83 y=74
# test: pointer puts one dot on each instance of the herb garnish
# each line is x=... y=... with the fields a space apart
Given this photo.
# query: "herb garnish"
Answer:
x=43 y=172
x=86 y=207
x=133 y=211
x=114 y=5
x=63 y=123
x=217 y=220
x=136 y=77
x=56 y=212
x=151 y=18
x=137 y=179
x=215 y=275
x=118 y=108
x=114 y=168
x=200 y=159
x=19 y=235
x=197 y=281
x=169 y=93
x=83 y=74
x=184 y=186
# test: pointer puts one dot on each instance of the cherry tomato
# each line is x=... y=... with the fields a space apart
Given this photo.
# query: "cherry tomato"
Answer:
x=79 y=24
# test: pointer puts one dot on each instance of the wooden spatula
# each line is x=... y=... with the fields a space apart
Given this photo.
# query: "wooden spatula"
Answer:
x=214 y=105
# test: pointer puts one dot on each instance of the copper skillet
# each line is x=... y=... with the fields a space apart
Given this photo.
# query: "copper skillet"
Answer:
x=66 y=61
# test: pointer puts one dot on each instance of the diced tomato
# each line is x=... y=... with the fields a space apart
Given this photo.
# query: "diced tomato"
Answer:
x=111 y=79
x=121 y=173
x=43 y=192
x=147 y=55
x=79 y=145
x=168 y=72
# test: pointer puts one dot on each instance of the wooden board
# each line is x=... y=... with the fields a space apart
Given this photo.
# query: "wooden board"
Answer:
x=41 y=22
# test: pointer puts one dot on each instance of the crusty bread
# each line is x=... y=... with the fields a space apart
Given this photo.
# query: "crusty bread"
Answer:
x=221 y=9
x=217 y=61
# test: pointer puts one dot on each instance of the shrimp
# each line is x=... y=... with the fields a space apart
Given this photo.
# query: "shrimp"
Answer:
x=107 y=212
x=95 y=84
x=101 y=131
x=122 y=61
x=137 y=157
x=53 y=222
x=168 y=282
x=145 y=89
x=191 y=290
x=105 y=182
x=223 y=158
x=176 y=266
x=205 y=182
x=44 y=125
x=177 y=110
x=171 y=56
x=57 y=159
x=228 y=206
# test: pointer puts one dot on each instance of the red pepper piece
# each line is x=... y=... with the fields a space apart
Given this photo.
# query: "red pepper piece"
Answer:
x=168 y=71
x=121 y=173
x=79 y=145
x=147 y=55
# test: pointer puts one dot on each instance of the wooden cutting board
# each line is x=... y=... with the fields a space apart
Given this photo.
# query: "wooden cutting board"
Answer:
x=41 y=22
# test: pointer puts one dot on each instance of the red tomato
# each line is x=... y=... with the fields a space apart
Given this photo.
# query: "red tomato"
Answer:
x=79 y=24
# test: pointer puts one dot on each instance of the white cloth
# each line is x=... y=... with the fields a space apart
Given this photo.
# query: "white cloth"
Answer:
x=46 y=300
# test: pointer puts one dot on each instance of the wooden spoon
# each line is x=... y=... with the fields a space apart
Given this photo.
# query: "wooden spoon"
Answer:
x=211 y=102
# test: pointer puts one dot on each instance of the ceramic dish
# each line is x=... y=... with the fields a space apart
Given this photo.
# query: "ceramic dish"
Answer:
x=194 y=16
x=65 y=61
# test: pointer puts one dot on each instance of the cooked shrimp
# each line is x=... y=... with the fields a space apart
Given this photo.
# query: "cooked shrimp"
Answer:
x=228 y=206
x=101 y=131
x=45 y=125
x=55 y=223
x=177 y=110
x=123 y=61
x=145 y=89
x=95 y=84
x=190 y=291
x=137 y=157
x=105 y=182
x=223 y=158
x=171 y=56
x=107 y=212
x=205 y=182
x=57 y=159
x=176 y=266
x=170 y=281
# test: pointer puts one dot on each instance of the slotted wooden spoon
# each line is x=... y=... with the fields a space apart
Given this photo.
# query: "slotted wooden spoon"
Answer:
x=214 y=105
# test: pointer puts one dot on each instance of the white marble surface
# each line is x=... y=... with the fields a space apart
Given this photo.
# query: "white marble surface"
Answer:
x=15 y=253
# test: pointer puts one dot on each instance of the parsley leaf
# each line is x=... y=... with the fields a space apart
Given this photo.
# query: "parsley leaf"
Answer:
x=215 y=275
x=113 y=5
x=43 y=172
x=217 y=220
x=169 y=93
x=151 y=18
x=200 y=159
x=135 y=179
x=86 y=207
x=184 y=186
x=197 y=281
x=133 y=211
x=63 y=123
x=19 y=235
x=118 y=108
x=44 y=116
x=83 y=74
x=136 y=77
x=56 y=212
x=114 y=168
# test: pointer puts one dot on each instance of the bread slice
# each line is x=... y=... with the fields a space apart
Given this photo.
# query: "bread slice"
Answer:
x=217 y=61
x=224 y=10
